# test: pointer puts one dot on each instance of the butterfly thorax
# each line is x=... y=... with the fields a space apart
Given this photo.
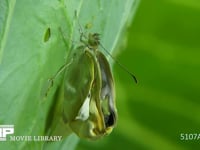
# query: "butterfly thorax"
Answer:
x=92 y=41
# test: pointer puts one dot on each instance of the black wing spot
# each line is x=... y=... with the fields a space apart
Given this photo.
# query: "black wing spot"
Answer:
x=110 y=119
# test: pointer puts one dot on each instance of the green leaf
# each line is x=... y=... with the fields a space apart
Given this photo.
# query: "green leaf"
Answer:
x=35 y=39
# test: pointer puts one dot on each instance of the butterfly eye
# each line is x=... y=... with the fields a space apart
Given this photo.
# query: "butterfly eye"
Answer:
x=93 y=40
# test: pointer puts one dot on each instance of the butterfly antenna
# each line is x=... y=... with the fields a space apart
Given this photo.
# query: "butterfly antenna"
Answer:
x=122 y=66
x=80 y=27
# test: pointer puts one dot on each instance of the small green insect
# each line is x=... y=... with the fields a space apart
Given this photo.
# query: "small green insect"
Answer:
x=88 y=105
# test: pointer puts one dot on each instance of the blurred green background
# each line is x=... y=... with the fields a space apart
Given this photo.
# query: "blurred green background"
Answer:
x=163 y=50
